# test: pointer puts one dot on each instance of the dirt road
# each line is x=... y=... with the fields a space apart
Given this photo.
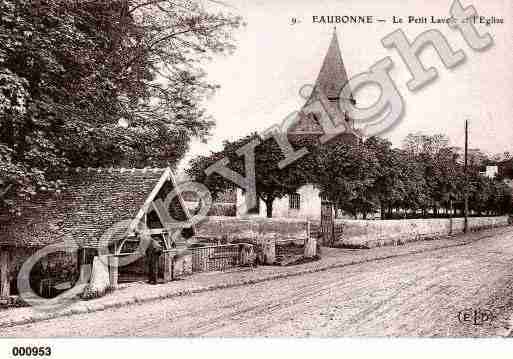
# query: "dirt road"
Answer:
x=415 y=295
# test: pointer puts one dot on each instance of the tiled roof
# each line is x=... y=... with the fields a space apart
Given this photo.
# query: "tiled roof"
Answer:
x=92 y=201
x=333 y=76
x=325 y=96
x=227 y=196
x=307 y=123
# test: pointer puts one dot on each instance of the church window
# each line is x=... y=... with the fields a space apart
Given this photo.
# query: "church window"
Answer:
x=294 y=201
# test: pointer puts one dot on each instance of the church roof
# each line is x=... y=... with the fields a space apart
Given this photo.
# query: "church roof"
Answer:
x=325 y=96
x=333 y=76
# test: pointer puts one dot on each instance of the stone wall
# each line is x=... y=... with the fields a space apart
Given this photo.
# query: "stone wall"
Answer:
x=248 y=230
x=374 y=233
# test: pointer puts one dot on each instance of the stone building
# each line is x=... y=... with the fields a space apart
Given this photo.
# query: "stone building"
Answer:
x=95 y=204
x=308 y=128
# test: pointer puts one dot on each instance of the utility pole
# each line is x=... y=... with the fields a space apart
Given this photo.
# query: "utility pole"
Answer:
x=465 y=194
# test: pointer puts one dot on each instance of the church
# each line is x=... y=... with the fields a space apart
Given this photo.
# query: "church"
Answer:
x=305 y=203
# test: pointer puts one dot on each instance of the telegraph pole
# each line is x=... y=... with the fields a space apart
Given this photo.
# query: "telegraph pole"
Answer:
x=465 y=228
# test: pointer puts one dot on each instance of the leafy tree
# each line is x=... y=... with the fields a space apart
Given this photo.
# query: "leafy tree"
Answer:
x=480 y=191
x=72 y=71
x=271 y=181
x=477 y=159
x=440 y=169
x=502 y=201
x=390 y=184
x=416 y=188
x=450 y=181
x=419 y=143
x=347 y=175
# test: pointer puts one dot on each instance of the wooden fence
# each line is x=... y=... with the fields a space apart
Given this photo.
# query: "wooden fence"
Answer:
x=215 y=258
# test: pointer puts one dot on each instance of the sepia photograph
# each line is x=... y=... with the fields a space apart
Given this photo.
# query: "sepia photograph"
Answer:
x=254 y=170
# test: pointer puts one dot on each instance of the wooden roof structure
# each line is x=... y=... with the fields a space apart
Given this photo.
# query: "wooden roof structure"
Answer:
x=93 y=201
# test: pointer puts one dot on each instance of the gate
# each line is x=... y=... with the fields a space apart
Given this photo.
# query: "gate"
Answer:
x=327 y=222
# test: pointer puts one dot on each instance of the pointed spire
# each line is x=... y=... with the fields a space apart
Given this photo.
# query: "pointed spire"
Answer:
x=332 y=76
x=331 y=80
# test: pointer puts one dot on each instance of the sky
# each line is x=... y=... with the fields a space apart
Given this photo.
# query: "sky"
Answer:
x=274 y=58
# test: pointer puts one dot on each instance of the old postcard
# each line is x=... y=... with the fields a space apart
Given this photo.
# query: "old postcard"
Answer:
x=255 y=169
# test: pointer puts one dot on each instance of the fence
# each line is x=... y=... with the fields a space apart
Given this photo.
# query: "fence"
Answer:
x=176 y=263
x=215 y=258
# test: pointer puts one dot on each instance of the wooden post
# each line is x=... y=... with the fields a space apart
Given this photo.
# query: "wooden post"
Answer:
x=5 y=259
x=243 y=255
x=204 y=254
x=451 y=218
x=85 y=263
x=178 y=264
x=310 y=248
x=80 y=258
x=247 y=255
x=465 y=227
x=269 y=251
x=113 y=271
x=327 y=222
x=168 y=266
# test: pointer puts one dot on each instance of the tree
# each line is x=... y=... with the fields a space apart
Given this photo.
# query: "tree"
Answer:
x=72 y=72
x=503 y=198
x=390 y=183
x=477 y=159
x=427 y=175
x=450 y=177
x=480 y=193
x=271 y=181
x=347 y=175
x=418 y=143
x=442 y=174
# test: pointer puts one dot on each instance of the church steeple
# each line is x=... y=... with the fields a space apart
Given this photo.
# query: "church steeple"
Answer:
x=332 y=76
x=331 y=80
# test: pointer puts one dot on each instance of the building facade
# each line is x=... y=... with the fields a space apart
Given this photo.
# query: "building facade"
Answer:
x=305 y=203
